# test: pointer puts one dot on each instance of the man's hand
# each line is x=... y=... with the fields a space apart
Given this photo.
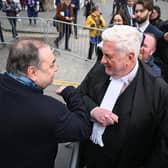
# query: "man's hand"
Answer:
x=104 y=116
x=60 y=89
x=166 y=36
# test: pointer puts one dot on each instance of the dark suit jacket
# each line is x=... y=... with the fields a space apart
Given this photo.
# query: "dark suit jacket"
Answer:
x=123 y=9
x=155 y=31
x=161 y=49
x=140 y=137
x=32 y=124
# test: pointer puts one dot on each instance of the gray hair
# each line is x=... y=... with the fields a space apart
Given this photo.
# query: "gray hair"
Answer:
x=23 y=53
x=126 y=38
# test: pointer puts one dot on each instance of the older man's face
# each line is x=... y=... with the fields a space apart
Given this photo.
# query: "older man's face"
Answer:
x=115 y=61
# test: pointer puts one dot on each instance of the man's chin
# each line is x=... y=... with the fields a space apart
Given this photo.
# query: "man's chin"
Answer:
x=108 y=71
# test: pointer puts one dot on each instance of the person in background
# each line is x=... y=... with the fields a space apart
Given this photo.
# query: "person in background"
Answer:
x=88 y=5
x=127 y=88
x=146 y=53
x=155 y=16
x=41 y=6
x=116 y=5
x=22 y=3
x=32 y=11
x=76 y=6
x=1 y=33
x=143 y=10
x=128 y=11
x=11 y=9
x=57 y=2
x=1 y=4
x=94 y=20
x=64 y=12
x=118 y=19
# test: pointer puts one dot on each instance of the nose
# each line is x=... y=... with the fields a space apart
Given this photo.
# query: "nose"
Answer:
x=103 y=60
x=56 y=68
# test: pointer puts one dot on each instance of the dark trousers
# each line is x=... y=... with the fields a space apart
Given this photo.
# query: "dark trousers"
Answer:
x=1 y=34
x=66 y=30
x=12 y=22
x=91 y=49
x=75 y=27
x=30 y=20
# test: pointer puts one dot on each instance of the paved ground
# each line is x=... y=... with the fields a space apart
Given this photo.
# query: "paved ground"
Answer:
x=71 y=68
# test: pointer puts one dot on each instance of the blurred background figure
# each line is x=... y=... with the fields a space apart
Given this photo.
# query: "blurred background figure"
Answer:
x=146 y=53
x=155 y=16
x=57 y=2
x=88 y=4
x=32 y=11
x=76 y=7
x=118 y=19
x=128 y=11
x=41 y=6
x=11 y=9
x=64 y=12
x=116 y=5
x=22 y=3
x=1 y=34
x=1 y=3
x=94 y=20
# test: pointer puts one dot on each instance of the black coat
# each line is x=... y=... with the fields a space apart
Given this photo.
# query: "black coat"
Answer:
x=32 y=124
x=140 y=137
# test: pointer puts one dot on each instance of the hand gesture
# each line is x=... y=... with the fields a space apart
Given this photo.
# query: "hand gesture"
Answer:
x=104 y=117
x=60 y=89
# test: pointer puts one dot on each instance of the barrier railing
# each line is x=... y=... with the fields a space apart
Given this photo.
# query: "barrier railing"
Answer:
x=24 y=29
x=44 y=28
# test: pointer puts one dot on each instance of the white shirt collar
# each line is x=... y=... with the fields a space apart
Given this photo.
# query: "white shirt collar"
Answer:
x=143 y=27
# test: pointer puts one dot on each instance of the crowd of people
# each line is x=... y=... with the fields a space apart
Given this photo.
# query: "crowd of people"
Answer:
x=145 y=16
x=119 y=112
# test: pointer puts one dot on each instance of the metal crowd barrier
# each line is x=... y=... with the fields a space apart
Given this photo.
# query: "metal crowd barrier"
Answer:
x=23 y=28
x=79 y=46
x=44 y=29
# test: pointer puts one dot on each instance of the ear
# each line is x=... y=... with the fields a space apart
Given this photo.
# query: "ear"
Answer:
x=130 y=59
x=32 y=73
x=131 y=56
x=152 y=51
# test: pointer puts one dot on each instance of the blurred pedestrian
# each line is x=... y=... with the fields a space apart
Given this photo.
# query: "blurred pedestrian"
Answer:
x=32 y=11
x=118 y=19
x=93 y=22
x=146 y=53
x=12 y=9
x=128 y=11
x=155 y=16
x=1 y=33
x=76 y=6
x=64 y=12
x=22 y=3
x=88 y=5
